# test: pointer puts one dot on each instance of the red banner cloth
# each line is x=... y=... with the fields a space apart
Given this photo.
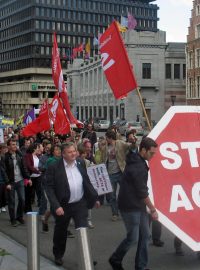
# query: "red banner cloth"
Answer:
x=40 y=124
x=115 y=62
x=58 y=117
x=57 y=75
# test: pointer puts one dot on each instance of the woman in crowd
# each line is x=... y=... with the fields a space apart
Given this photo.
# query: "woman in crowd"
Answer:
x=32 y=162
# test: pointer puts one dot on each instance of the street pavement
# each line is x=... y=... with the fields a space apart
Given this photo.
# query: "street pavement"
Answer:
x=13 y=256
x=104 y=239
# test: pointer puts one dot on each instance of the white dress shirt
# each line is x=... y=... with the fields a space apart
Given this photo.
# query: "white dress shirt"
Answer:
x=36 y=164
x=75 y=181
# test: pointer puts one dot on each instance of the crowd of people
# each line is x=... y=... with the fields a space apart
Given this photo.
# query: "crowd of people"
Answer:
x=49 y=172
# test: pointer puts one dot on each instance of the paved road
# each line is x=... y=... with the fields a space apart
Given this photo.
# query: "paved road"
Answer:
x=104 y=238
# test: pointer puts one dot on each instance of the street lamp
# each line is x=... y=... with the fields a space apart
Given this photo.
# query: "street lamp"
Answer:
x=173 y=99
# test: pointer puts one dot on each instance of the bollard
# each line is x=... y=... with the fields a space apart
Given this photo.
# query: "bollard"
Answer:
x=85 y=262
x=33 y=257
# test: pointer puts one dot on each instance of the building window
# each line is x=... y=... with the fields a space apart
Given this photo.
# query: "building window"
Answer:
x=190 y=88
x=86 y=112
x=47 y=51
x=37 y=24
x=42 y=50
x=37 y=12
x=42 y=38
x=197 y=10
x=117 y=111
x=190 y=59
x=105 y=112
x=100 y=111
x=184 y=71
x=36 y=37
x=82 y=111
x=146 y=71
x=198 y=87
x=176 y=71
x=34 y=94
x=95 y=111
x=168 y=71
x=47 y=25
x=197 y=32
x=198 y=58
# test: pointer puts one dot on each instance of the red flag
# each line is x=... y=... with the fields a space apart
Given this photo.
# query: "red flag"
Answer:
x=59 y=81
x=75 y=52
x=80 y=48
x=31 y=129
x=40 y=124
x=115 y=62
x=58 y=116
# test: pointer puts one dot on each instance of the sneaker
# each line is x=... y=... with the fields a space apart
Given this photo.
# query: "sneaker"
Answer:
x=14 y=223
x=198 y=255
x=179 y=252
x=115 y=217
x=158 y=243
x=45 y=227
x=21 y=220
x=90 y=225
x=58 y=261
x=3 y=210
x=70 y=234
x=115 y=265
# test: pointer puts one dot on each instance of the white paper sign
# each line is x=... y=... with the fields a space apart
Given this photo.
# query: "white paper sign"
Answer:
x=1 y=136
x=100 y=179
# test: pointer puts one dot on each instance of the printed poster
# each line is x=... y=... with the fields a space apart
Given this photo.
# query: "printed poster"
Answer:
x=100 y=179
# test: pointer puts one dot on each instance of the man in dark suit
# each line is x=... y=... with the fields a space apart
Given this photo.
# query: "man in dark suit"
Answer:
x=70 y=194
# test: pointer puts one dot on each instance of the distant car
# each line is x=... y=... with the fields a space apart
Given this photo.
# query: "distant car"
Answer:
x=132 y=125
x=102 y=125
x=119 y=123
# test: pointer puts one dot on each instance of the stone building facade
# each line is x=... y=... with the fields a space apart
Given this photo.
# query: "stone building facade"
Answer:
x=193 y=57
x=159 y=68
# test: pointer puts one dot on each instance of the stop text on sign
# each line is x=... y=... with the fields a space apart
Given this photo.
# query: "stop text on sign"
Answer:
x=173 y=160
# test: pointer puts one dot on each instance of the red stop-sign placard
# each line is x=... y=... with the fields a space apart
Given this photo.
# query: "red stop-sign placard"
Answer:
x=174 y=180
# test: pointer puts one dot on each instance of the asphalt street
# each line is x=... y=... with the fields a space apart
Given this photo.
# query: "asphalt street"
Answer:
x=104 y=239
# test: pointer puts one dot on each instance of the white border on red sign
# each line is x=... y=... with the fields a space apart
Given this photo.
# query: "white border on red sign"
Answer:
x=154 y=135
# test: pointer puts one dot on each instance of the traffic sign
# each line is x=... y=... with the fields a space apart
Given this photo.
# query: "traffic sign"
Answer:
x=174 y=181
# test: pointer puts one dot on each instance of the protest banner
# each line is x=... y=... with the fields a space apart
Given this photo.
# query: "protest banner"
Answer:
x=100 y=179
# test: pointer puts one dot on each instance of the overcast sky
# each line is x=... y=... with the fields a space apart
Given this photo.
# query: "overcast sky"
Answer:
x=174 y=18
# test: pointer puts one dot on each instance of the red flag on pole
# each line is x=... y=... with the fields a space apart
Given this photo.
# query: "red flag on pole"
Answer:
x=115 y=62
x=40 y=124
x=58 y=117
x=57 y=75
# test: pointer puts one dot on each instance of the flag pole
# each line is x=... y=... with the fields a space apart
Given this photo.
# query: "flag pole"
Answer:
x=143 y=109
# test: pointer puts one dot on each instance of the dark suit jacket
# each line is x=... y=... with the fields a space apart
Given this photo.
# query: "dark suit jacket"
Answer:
x=57 y=186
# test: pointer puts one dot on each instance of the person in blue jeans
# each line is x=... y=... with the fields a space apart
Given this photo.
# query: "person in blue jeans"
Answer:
x=114 y=155
x=133 y=200
x=16 y=172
